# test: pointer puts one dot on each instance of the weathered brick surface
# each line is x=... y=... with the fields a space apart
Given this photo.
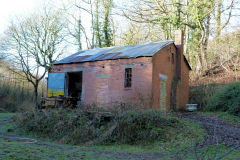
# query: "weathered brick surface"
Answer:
x=162 y=64
x=184 y=85
x=110 y=89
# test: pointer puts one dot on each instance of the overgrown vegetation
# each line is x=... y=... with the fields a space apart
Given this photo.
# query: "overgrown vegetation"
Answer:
x=144 y=126
x=201 y=93
x=15 y=98
x=226 y=99
x=81 y=126
x=181 y=141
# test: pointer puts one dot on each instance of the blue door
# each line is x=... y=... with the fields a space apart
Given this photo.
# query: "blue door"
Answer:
x=56 y=83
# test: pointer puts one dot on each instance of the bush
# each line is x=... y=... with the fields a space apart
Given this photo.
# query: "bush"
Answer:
x=226 y=99
x=15 y=98
x=80 y=126
x=143 y=127
x=60 y=125
x=200 y=94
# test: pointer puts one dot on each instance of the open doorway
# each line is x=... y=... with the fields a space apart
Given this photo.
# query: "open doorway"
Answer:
x=75 y=84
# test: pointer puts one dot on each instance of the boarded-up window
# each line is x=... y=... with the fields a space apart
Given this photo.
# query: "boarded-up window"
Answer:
x=163 y=94
x=163 y=91
x=128 y=78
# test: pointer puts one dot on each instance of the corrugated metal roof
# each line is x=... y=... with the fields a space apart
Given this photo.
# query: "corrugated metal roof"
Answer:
x=118 y=52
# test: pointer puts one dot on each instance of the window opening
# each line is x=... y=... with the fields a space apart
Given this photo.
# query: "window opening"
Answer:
x=172 y=57
x=128 y=78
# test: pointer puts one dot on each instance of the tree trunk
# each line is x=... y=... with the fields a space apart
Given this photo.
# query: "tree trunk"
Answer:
x=187 y=33
x=218 y=20
x=179 y=8
x=106 y=29
x=97 y=25
x=36 y=93
x=205 y=42
x=203 y=57
x=79 y=35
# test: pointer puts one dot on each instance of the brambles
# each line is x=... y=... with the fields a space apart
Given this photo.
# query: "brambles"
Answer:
x=226 y=99
x=84 y=126
x=143 y=127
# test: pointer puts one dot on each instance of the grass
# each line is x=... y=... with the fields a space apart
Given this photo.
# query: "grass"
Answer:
x=10 y=149
x=216 y=151
x=213 y=152
x=235 y=120
x=181 y=140
x=232 y=119
x=6 y=116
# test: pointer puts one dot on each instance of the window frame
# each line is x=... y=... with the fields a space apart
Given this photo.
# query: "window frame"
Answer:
x=128 y=78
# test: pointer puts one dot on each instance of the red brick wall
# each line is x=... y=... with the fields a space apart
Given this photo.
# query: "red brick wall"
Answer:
x=184 y=86
x=162 y=64
x=110 y=86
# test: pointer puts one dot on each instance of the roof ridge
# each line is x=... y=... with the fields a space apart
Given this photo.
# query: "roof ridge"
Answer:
x=128 y=45
x=116 y=52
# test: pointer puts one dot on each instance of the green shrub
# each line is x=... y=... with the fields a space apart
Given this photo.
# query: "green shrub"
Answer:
x=143 y=127
x=226 y=99
x=200 y=94
x=80 y=126
x=60 y=125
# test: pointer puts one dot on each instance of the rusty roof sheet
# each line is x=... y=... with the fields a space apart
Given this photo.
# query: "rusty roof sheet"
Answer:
x=117 y=52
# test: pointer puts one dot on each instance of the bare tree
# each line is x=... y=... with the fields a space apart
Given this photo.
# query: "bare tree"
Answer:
x=77 y=30
x=33 y=44
x=222 y=9
x=193 y=16
x=225 y=57
x=100 y=32
x=136 y=33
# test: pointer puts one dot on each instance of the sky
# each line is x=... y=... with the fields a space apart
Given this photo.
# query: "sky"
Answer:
x=11 y=8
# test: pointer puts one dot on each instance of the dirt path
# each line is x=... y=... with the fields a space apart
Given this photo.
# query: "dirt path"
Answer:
x=218 y=130
x=110 y=154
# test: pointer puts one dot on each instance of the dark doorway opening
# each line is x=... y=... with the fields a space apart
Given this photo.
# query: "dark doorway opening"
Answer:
x=75 y=84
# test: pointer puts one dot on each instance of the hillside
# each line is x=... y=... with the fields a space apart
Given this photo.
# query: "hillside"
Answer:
x=224 y=61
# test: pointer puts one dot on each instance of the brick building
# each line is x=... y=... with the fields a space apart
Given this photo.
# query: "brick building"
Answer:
x=155 y=74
